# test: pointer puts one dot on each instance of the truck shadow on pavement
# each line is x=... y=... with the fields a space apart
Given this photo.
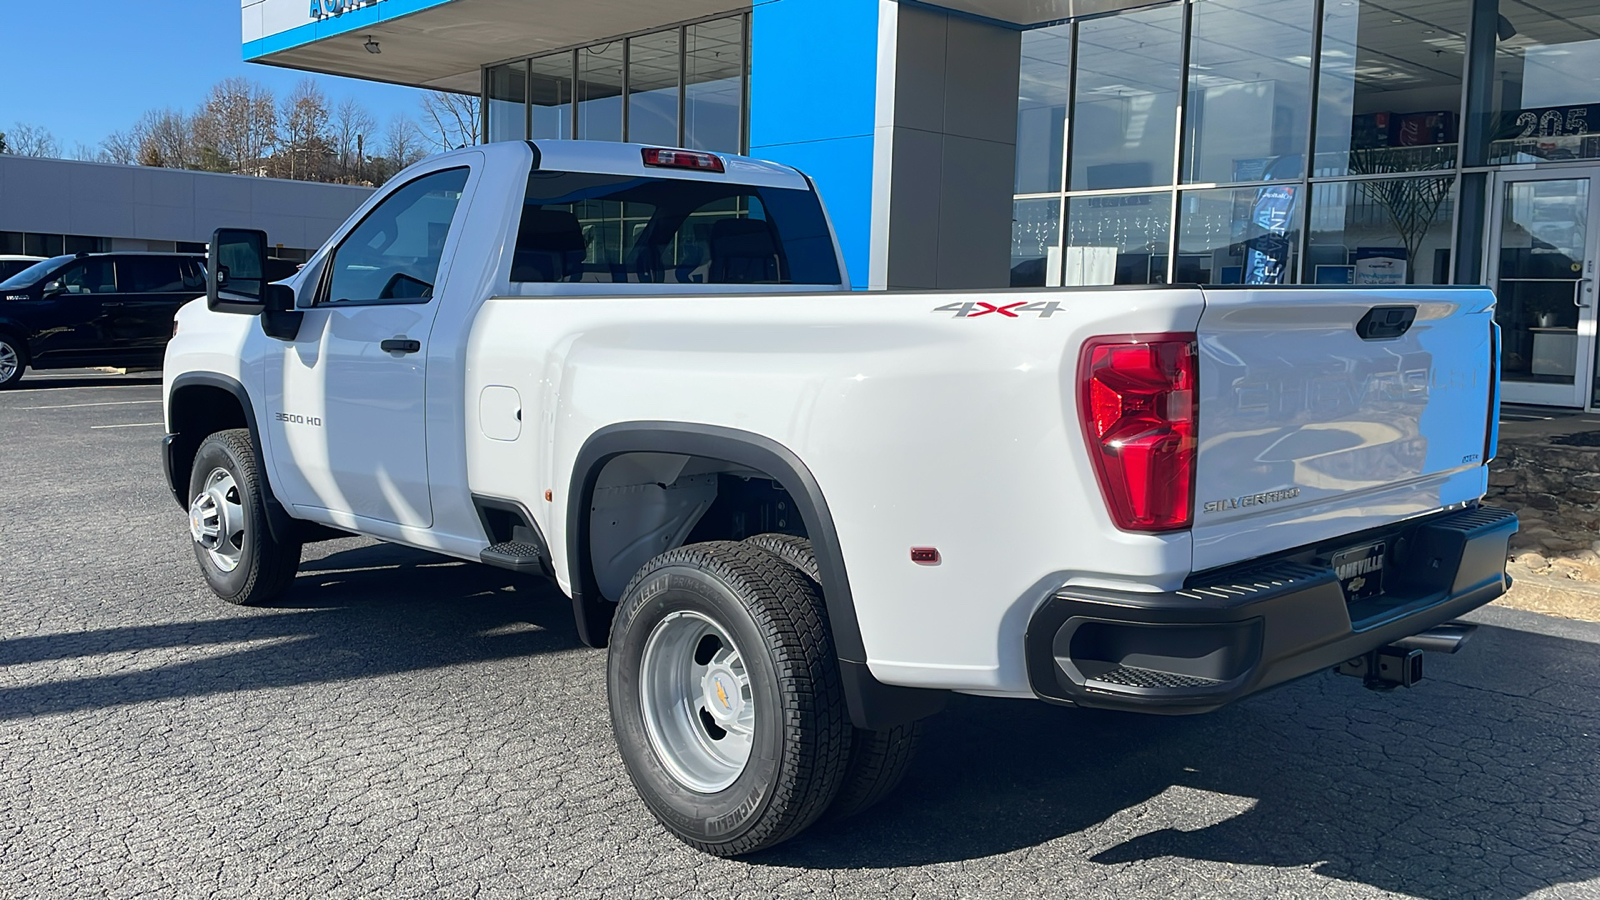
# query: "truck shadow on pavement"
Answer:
x=358 y=613
x=1464 y=786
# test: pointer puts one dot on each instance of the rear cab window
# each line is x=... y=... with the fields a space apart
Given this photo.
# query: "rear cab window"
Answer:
x=632 y=229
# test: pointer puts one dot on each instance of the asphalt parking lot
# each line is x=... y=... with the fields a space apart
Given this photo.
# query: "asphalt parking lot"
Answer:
x=406 y=725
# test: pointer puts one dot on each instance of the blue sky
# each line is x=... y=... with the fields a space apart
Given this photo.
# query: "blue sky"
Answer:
x=86 y=68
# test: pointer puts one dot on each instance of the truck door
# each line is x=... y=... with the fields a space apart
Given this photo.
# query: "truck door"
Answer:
x=346 y=417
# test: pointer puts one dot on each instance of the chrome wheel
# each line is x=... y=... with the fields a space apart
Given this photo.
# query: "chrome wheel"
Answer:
x=9 y=361
x=217 y=520
x=698 y=707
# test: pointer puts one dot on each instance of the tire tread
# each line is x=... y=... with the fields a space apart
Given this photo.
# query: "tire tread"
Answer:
x=878 y=760
x=273 y=564
x=788 y=611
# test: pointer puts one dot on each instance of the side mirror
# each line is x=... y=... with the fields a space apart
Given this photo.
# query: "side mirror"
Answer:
x=236 y=267
x=279 y=317
x=52 y=288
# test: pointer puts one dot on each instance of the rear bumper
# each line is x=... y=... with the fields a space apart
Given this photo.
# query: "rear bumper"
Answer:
x=1228 y=635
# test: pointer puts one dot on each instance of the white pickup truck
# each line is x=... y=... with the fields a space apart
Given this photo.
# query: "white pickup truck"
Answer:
x=801 y=516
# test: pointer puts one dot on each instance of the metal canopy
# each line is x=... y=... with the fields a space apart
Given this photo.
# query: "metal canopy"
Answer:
x=445 y=45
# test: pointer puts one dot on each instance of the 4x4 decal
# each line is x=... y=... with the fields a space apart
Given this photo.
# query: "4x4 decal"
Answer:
x=975 y=308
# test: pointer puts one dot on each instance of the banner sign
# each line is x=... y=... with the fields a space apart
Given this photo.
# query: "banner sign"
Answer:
x=1267 y=259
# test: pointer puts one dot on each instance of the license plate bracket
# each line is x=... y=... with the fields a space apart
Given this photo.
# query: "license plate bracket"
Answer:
x=1360 y=571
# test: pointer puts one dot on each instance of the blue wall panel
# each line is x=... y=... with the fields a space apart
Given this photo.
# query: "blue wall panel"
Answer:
x=813 y=90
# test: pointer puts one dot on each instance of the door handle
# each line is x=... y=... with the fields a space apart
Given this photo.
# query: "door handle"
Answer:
x=109 y=303
x=1577 y=293
x=400 y=345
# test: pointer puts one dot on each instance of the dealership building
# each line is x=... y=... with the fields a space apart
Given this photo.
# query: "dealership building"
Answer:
x=987 y=143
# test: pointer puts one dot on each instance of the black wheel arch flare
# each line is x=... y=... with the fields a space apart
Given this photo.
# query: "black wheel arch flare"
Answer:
x=872 y=704
x=176 y=464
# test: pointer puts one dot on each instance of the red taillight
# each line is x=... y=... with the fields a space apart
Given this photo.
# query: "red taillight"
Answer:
x=683 y=159
x=1138 y=414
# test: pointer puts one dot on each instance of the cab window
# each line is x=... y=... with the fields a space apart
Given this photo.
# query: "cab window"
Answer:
x=89 y=276
x=394 y=255
x=580 y=227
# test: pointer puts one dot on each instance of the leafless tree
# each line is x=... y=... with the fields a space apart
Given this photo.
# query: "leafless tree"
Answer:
x=402 y=143
x=1411 y=203
x=31 y=140
x=167 y=139
x=303 y=132
x=121 y=147
x=353 y=127
x=450 y=120
x=83 y=151
x=238 y=124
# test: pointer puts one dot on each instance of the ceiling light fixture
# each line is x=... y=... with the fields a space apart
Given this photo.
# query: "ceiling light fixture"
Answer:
x=372 y=45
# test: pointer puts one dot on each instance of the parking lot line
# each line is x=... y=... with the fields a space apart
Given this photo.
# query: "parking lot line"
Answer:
x=130 y=425
x=81 y=405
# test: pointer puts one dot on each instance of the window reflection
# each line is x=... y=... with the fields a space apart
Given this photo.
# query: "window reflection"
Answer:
x=1239 y=235
x=1249 y=90
x=508 y=95
x=713 y=85
x=653 y=89
x=1042 y=94
x=1390 y=86
x=600 y=92
x=1035 y=249
x=1117 y=239
x=1127 y=99
x=1546 y=91
x=551 y=93
x=1382 y=232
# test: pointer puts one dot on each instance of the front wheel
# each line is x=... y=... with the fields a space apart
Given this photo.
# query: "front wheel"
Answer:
x=13 y=360
x=241 y=561
x=725 y=697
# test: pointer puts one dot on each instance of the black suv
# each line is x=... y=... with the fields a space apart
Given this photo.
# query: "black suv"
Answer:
x=94 y=309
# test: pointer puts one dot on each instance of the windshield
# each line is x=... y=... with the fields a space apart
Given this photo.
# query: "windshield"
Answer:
x=35 y=273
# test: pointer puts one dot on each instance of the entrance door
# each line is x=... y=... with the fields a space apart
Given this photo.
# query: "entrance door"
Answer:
x=1545 y=228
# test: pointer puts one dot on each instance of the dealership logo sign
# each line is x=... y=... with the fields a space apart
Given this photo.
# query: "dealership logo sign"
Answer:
x=322 y=9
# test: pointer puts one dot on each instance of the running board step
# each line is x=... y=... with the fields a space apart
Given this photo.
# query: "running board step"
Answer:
x=1152 y=679
x=518 y=556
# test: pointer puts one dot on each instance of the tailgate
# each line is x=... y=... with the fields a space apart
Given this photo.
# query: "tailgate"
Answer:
x=1328 y=411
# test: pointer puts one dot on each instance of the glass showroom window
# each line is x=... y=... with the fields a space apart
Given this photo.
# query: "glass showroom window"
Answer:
x=1117 y=239
x=1249 y=90
x=1239 y=235
x=550 y=90
x=653 y=89
x=1035 y=242
x=1390 y=86
x=1381 y=232
x=1042 y=94
x=1546 y=87
x=507 y=90
x=600 y=92
x=1126 y=100
x=714 y=85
